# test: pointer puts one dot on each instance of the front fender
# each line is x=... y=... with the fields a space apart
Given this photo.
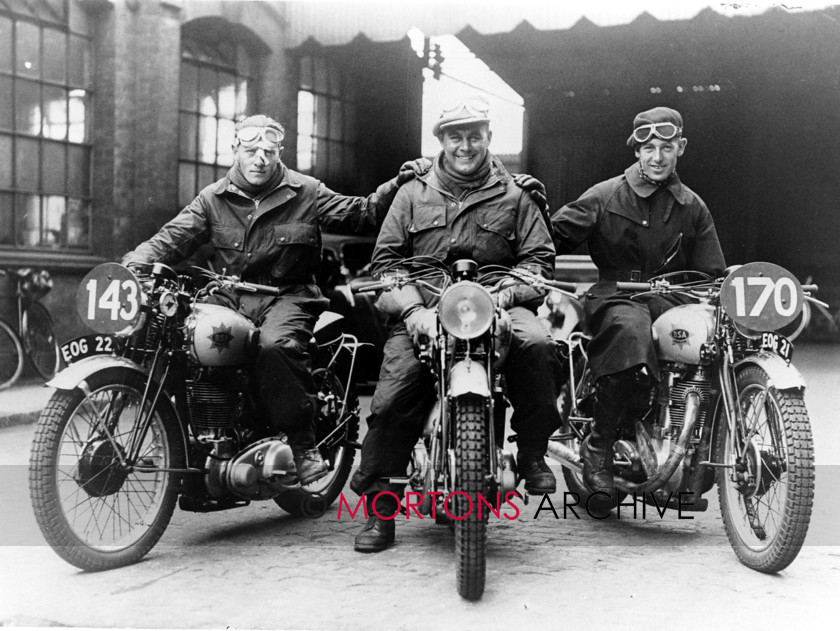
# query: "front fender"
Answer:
x=74 y=374
x=468 y=377
x=782 y=376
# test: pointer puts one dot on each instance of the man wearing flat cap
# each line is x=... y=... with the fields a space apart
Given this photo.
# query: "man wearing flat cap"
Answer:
x=641 y=224
x=264 y=221
x=467 y=206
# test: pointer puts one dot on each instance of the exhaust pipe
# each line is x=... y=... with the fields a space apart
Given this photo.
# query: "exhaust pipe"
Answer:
x=571 y=459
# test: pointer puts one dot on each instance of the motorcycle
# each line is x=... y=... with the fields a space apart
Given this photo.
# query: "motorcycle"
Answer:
x=160 y=406
x=459 y=471
x=728 y=408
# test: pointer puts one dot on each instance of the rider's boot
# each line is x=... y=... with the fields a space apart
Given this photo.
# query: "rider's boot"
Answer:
x=378 y=533
x=615 y=394
x=596 y=452
x=309 y=464
x=534 y=470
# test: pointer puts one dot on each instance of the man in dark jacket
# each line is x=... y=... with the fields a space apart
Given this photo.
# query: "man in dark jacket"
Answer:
x=466 y=206
x=265 y=223
x=637 y=225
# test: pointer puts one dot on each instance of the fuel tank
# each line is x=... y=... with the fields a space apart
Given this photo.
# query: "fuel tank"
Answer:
x=680 y=332
x=219 y=336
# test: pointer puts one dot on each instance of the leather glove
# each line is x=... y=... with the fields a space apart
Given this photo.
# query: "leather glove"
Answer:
x=534 y=188
x=421 y=321
x=413 y=168
x=504 y=299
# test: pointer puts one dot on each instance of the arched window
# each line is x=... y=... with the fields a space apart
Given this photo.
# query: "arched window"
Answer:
x=217 y=77
x=326 y=125
x=45 y=124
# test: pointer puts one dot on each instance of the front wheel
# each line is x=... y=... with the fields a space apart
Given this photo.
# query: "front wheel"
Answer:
x=95 y=506
x=767 y=491
x=336 y=432
x=39 y=340
x=471 y=484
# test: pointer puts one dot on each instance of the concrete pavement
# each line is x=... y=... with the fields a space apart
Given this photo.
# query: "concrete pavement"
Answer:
x=23 y=402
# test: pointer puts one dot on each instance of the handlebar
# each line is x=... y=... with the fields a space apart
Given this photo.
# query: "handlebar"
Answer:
x=562 y=285
x=810 y=288
x=375 y=285
x=255 y=288
x=628 y=286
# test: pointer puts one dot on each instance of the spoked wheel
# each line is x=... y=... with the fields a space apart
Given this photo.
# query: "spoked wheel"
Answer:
x=767 y=493
x=97 y=509
x=39 y=340
x=571 y=434
x=11 y=356
x=471 y=473
x=335 y=434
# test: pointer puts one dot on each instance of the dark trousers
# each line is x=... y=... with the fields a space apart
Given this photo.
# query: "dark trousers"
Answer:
x=284 y=368
x=406 y=393
x=620 y=328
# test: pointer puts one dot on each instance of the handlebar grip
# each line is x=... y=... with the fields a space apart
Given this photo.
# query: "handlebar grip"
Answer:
x=627 y=286
x=563 y=285
x=361 y=288
x=261 y=289
x=811 y=288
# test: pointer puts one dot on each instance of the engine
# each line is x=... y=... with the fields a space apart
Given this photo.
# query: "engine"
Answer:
x=216 y=399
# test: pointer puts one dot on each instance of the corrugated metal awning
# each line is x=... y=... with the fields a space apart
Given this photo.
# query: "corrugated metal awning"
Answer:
x=336 y=22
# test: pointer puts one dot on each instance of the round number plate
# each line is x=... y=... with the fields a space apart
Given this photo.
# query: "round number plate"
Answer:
x=761 y=296
x=109 y=298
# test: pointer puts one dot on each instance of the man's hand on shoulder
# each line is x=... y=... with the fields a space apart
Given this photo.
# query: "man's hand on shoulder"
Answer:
x=533 y=187
x=413 y=168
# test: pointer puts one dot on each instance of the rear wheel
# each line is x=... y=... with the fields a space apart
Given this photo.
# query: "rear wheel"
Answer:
x=95 y=508
x=39 y=340
x=767 y=493
x=11 y=356
x=336 y=431
x=471 y=481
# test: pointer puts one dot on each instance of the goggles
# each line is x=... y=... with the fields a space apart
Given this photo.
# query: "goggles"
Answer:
x=475 y=107
x=665 y=131
x=250 y=137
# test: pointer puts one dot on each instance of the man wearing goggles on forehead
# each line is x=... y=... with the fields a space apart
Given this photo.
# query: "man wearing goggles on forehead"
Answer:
x=264 y=221
x=638 y=225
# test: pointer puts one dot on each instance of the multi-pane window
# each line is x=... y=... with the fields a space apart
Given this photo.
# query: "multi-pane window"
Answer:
x=45 y=122
x=215 y=78
x=326 y=126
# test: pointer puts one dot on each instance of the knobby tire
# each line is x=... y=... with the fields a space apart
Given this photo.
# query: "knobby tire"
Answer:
x=95 y=516
x=471 y=471
x=783 y=454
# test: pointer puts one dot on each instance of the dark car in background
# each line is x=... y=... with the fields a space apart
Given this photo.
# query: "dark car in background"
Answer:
x=346 y=260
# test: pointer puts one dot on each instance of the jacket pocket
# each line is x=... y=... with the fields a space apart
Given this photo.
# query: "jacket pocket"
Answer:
x=228 y=238
x=428 y=231
x=496 y=235
x=296 y=234
x=295 y=252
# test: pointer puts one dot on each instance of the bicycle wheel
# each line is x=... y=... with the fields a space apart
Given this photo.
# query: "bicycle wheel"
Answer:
x=39 y=339
x=11 y=356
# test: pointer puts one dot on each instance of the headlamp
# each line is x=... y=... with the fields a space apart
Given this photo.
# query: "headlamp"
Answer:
x=466 y=310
